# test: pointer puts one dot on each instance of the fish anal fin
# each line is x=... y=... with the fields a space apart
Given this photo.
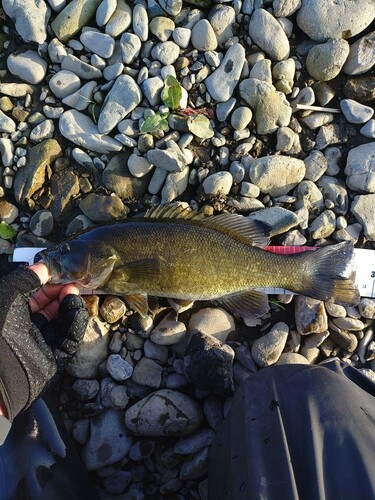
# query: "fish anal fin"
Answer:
x=250 y=304
x=257 y=232
x=138 y=302
x=173 y=211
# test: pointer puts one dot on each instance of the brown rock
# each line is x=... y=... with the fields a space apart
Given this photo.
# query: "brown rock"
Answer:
x=64 y=187
x=360 y=89
x=32 y=177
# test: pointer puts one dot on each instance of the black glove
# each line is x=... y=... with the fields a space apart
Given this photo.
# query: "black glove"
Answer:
x=33 y=351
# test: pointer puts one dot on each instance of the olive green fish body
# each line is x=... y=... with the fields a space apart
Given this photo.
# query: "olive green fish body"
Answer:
x=207 y=259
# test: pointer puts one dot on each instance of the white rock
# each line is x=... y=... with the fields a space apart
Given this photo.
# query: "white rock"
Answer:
x=222 y=82
x=267 y=349
x=123 y=97
x=6 y=123
x=97 y=42
x=175 y=185
x=80 y=99
x=42 y=131
x=30 y=18
x=181 y=36
x=218 y=184
x=80 y=68
x=92 y=351
x=322 y=19
x=360 y=168
x=6 y=151
x=368 y=130
x=140 y=21
x=276 y=175
x=325 y=61
x=203 y=36
x=363 y=208
x=130 y=47
x=64 y=83
x=212 y=321
x=79 y=129
x=267 y=33
x=361 y=55
x=28 y=66
x=120 y=20
x=56 y=51
x=138 y=165
x=222 y=18
x=355 y=112
x=152 y=88
x=166 y=52
x=105 y=11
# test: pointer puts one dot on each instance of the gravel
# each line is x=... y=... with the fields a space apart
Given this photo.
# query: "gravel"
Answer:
x=272 y=117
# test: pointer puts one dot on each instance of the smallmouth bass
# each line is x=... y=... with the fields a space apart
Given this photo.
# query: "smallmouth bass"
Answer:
x=177 y=253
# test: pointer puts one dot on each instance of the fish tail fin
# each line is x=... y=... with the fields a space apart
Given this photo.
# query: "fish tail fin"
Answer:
x=328 y=273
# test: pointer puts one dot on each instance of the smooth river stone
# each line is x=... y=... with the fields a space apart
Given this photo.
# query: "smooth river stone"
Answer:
x=29 y=17
x=81 y=130
x=123 y=97
x=71 y=19
x=222 y=82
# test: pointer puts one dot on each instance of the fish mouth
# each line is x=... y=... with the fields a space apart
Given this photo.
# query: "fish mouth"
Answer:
x=54 y=267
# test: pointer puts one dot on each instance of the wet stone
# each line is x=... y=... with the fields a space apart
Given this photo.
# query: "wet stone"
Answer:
x=164 y=413
x=41 y=223
x=102 y=208
x=118 y=368
x=147 y=372
x=109 y=440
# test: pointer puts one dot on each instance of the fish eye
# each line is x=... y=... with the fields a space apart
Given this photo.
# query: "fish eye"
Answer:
x=64 y=248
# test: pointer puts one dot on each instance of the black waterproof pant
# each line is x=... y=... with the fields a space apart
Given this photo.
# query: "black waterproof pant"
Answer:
x=293 y=431
x=297 y=432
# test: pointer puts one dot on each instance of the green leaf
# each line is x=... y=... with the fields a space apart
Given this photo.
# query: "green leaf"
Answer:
x=172 y=92
x=155 y=122
x=200 y=126
x=6 y=231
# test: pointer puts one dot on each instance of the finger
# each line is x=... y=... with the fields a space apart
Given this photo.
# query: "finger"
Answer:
x=51 y=310
x=44 y=296
x=70 y=289
x=41 y=270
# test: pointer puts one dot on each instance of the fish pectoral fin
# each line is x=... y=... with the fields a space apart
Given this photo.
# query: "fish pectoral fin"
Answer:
x=138 y=302
x=256 y=232
x=132 y=272
x=250 y=304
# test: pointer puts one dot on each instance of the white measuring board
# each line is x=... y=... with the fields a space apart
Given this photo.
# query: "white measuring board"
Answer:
x=363 y=267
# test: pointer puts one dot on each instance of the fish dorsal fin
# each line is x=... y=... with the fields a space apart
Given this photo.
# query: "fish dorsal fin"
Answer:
x=173 y=211
x=255 y=231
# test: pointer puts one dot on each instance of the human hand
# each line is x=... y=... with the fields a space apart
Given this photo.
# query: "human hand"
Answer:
x=48 y=298
x=34 y=350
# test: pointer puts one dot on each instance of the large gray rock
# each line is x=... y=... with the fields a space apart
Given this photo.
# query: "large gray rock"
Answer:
x=30 y=18
x=28 y=66
x=73 y=17
x=361 y=55
x=276 y=175
x=103 y=208
x=363 y=208
x=164 y=413
x=222 y=82
x=360 y=168
x=123 y=97
x=268 y=34
x=324 y=61
x=267 y=349
x=92 y=351
x=323 y=19
x=109 y=440
x=81 y=130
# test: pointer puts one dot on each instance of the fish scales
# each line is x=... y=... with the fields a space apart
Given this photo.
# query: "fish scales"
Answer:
x=196 y=262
